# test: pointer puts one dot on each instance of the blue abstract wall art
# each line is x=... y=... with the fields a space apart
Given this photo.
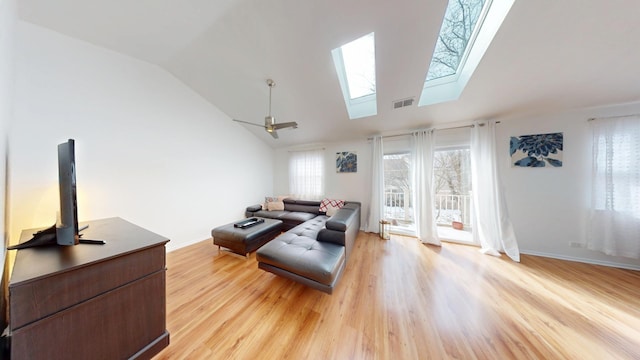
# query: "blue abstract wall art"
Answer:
x=539 y=150
x=346 y=162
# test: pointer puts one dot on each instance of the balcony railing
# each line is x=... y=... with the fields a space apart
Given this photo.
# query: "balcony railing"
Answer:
x=398 y=208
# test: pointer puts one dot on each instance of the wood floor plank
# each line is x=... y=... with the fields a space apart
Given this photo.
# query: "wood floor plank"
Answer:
x=399 y=299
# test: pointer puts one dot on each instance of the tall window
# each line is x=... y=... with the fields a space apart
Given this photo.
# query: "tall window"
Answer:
x=452 y=183
x=452 y=188
x=306 y=174
x=397 y=192
x=614 y=224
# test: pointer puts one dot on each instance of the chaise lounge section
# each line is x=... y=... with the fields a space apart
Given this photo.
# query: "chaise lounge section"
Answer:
x=313 y=252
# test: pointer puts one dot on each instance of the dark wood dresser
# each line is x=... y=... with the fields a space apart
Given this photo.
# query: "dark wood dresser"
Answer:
x=90 y=301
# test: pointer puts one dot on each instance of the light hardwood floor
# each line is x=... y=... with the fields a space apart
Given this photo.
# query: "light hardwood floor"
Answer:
x=399 y=299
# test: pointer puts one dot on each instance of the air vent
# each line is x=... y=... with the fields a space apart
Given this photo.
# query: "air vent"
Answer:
x=402 y=103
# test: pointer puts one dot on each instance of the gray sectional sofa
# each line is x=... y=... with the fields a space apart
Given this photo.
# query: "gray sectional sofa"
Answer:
x=295 y=212
x=314 y=248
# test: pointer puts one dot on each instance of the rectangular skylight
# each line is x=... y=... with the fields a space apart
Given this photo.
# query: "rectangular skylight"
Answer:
x=455 y=37
x=467 y=30
x=355 y=64
x=360 y=66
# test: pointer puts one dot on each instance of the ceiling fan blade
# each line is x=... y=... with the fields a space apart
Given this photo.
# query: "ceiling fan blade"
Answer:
x=269 y=121
x=249 y=123
x=292 y=124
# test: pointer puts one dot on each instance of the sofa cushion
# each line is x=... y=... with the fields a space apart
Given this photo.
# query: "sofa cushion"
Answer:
x=304 y=256
x=303 y=202
x=309 y=206
x=270 y=214
x=310 y=228
x=297 y=217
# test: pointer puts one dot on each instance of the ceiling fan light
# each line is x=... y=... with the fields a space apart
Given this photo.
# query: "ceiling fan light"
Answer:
x=269 y=120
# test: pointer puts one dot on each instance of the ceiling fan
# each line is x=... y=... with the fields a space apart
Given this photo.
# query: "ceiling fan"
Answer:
x=270 y=121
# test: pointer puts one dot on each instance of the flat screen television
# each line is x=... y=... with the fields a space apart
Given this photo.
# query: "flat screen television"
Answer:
x=66 y=231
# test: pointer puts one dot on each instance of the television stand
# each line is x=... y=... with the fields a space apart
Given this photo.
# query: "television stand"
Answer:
x=97 y=302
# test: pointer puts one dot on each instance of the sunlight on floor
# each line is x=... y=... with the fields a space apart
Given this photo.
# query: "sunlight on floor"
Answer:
x=445 y=233
x=448 y=233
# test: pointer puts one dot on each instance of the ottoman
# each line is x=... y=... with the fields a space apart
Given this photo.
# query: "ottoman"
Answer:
x=243 y=241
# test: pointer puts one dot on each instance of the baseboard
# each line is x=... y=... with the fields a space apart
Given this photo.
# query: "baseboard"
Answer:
x=583 y=260
x=172 y=246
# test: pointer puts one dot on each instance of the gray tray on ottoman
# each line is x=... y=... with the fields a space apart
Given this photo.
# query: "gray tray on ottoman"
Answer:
x=245 y=240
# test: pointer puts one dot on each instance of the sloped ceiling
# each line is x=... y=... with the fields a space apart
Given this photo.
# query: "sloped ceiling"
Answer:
x=548 y=55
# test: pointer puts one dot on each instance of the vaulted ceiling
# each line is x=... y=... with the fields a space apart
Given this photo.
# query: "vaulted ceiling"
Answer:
x=548 y=55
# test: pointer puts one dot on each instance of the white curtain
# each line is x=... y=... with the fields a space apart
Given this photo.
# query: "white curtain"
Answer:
x=422 y=149
x=492 y=228
x=614 y=221
x=306 y=174
x=376 y=206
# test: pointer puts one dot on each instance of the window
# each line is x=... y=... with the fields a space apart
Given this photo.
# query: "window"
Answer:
x=306 y=174
x=452 y=188
x=614 y=224
x=452 y=185
x=355 y=64
x=397 y=192
x=455 y=37
x=467 y=30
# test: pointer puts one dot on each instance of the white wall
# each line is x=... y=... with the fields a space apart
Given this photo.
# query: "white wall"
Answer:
x=8 y=17
x=148 y=148
x=345 y=186
x=548 y=206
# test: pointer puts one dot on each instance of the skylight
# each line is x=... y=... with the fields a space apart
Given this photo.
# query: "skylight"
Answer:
x=355 y=64
x=467 y=30
x=454 y=39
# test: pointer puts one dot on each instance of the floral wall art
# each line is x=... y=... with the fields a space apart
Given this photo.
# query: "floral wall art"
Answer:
x=540 y=150
x=346 y=162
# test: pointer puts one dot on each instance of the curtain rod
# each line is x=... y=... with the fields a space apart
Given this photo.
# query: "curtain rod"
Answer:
x=449 y=128
x=612 y=117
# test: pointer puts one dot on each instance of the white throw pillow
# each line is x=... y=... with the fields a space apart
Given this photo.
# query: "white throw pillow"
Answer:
x=268 y=199
x=275 y=205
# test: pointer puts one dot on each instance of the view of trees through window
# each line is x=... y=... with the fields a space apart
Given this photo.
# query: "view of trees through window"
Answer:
x=458 y=25
x=397 y=189
x=452 y=182
x=451 y=172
